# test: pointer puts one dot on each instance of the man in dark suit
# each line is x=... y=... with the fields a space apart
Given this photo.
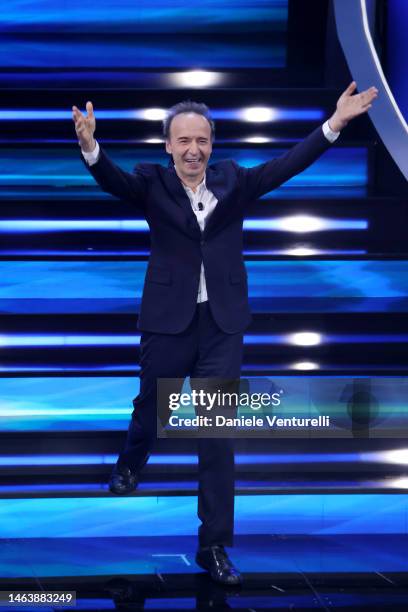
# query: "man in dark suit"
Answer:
x=195 y=299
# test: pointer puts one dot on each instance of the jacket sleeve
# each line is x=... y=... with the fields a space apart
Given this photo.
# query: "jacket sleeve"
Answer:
x=261 y=179
x=127 y=186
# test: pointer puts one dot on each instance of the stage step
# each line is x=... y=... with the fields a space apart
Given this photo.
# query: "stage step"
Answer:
x=146 y=488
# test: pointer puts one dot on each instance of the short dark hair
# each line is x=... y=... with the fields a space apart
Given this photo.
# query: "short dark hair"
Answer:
x=188 y=106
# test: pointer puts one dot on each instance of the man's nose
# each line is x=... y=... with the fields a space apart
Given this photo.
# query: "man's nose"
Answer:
x=193 y=148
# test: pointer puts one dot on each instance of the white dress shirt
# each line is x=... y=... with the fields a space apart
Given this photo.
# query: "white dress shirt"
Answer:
x=207 y=199
x=209 y=202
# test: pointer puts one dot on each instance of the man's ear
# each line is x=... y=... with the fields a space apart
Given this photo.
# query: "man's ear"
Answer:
x=168 y=147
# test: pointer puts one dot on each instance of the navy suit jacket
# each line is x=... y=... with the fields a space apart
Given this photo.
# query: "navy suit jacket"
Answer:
x=177 y=244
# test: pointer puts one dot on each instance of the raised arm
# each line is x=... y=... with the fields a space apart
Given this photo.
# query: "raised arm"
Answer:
x=130 y=187
x=261 y=179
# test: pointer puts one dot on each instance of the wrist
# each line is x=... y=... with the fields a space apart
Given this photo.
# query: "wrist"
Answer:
x=88 y=147
x=336 y=123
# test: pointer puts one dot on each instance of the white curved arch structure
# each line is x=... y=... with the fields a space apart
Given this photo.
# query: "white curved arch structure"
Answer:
x=357 y=43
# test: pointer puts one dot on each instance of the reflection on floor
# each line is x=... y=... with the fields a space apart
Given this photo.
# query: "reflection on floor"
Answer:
x=292 y=572
x=265 y=553
x=296 y=551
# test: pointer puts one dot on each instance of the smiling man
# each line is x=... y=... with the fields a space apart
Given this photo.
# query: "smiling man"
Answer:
x=195 y=299
x=190 y=143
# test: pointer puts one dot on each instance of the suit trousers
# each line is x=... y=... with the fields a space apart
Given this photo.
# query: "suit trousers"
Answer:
x=203 y=350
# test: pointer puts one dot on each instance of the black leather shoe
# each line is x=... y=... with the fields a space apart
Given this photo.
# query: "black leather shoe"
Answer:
x=215 y=560
x=123 y=480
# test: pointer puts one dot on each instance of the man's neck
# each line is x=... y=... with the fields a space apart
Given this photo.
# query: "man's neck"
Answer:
x=193 y=183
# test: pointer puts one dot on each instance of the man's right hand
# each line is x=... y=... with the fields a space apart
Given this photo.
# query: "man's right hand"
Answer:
x=85 y=127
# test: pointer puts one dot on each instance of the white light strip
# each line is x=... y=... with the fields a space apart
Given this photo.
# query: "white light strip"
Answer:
x=294 y=223
x=12 y=412
x=50 y=225
x=304 y=224
x=20 y=340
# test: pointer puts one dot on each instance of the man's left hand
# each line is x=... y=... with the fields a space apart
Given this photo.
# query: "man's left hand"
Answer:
x=349 y=106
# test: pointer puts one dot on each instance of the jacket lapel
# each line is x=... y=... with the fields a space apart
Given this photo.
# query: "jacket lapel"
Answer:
x=215 y=182
x=178 y=194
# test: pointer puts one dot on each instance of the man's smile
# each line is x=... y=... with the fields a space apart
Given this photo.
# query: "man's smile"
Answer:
x=193 y=161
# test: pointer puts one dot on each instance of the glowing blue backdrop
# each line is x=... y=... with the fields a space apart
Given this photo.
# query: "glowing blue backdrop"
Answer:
x=144 y=35
x=274 y=286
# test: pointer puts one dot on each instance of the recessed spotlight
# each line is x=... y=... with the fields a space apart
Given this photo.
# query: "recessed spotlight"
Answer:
x=301 y=223
x=196 y=78
x=398 y=456
x=154 y=114
x=258 y=114
x=305 y=365
x=301 y=251
x=305 y=339
x=397 y=483
x=257 y=139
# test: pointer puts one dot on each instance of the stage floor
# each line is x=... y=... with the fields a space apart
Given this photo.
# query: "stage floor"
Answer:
x=292 y=572
x=297 y=552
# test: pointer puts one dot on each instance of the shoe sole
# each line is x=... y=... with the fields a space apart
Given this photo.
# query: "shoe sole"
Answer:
x=121 y=493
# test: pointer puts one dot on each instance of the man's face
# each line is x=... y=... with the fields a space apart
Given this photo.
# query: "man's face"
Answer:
x=190 y=145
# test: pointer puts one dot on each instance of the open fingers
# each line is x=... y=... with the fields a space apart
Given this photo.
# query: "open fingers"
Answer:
x=76 y=114
x=79 y=120
x=348 y=92
x=351 y=87
x=89 y=109
x=370 y=93
x=367 y=98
